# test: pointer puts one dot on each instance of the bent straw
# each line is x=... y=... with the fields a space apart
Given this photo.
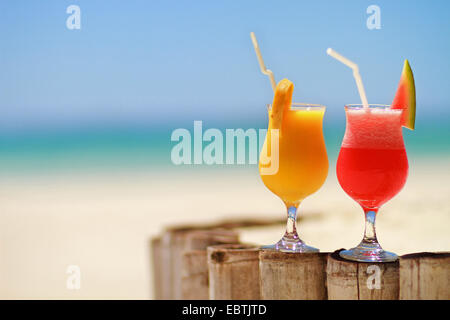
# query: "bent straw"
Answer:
x=356 y=74
x=261 y=62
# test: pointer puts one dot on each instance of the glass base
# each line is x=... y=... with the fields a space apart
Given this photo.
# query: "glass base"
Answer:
x=368 y=252
x=290 y=245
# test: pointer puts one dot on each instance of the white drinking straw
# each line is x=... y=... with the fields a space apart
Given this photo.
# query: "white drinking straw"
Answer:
x=261 y=62
x=356 y=74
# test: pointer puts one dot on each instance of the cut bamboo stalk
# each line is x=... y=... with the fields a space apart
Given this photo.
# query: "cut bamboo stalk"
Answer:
x=351 y=280
x=233 y=272
x=201 y=239
x=292 y=276
x=165 y=281
x=425 y=276
x=171 y=247
x=194 y=278
x=184 y=243
x=156 y=251
x=168 y=256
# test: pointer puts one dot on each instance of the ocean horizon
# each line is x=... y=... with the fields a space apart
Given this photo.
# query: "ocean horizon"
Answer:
x=128 y=147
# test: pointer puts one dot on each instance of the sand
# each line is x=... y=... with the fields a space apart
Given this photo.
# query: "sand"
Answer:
x=102 y=222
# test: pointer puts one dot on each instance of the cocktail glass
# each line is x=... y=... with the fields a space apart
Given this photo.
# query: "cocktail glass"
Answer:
x=298 y=165
x=372 y=168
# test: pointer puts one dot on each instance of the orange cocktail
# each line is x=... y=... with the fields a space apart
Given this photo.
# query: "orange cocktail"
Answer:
x=298 y=163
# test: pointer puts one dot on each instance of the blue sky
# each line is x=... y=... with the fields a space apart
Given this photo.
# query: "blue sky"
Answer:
x=150 y=63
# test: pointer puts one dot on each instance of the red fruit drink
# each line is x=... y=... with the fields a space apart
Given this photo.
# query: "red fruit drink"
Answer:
x=372 y=166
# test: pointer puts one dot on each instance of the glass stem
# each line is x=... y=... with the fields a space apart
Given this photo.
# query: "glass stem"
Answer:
x=291 y=224
x=370 y=235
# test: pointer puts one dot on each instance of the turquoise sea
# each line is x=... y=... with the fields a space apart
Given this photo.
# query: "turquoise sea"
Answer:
x=142 y=148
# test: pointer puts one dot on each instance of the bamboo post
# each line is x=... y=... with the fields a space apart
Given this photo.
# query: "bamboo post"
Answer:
x=194 y=281
x=165 y=279
x=233 y=272
x=156 y=260
x=292 y=276
x=425 y=276
x=170 y=259
x=165 y=255
x=185 y=271
x=165 y=283
x=350 y=280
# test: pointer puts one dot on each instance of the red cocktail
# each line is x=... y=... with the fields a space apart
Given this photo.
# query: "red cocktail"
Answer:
x=372 y=168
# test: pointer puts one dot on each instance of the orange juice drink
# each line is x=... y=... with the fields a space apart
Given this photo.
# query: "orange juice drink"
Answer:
x=295 y=143
x=303 y=162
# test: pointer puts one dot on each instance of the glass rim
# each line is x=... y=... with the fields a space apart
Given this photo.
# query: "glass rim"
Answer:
x=302 y=106
x=371 y=105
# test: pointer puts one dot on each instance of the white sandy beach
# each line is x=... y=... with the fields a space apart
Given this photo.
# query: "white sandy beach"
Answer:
x=102 y=222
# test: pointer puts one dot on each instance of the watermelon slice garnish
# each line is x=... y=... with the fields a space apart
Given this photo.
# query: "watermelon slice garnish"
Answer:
x=405 y=97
